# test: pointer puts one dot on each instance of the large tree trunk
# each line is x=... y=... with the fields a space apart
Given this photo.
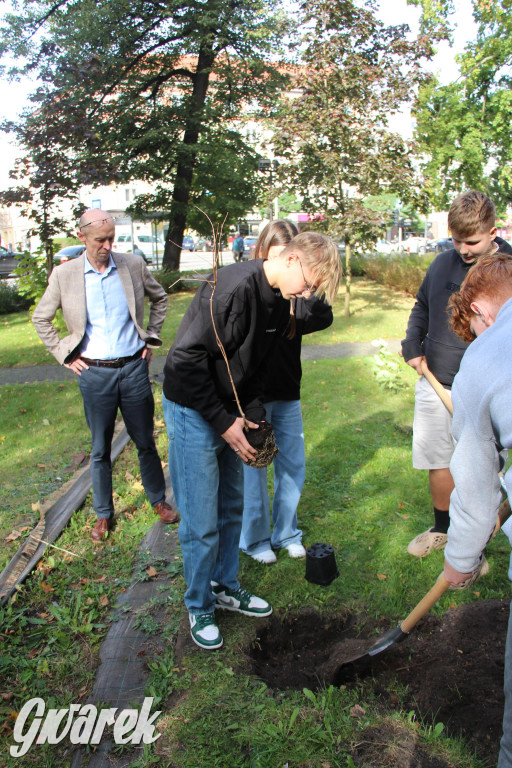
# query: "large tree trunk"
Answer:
x=348 y=276
x=186 y=162
x=47 y=241
x=48 y=249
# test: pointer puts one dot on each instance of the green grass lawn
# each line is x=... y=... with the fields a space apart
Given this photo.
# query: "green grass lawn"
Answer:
x=361 y=495
x=376 y=311
x=43 y=430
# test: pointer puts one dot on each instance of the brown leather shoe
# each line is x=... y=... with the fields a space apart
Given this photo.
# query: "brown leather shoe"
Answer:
x=166 y=512
x=100 y=529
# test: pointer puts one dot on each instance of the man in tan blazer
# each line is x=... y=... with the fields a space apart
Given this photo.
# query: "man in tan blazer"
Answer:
x=101 y=296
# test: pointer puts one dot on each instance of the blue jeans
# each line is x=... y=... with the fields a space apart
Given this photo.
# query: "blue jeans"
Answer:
x=289 y=472
x=207 y=480
x=104 y=390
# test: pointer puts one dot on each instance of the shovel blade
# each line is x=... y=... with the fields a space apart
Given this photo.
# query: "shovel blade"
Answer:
x=399 y=633
x=360 y=660
x=391 y=637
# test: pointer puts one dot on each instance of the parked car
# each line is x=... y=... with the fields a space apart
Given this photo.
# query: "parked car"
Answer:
x=9 y=260
x=413 y=244
x=70 y=252
x=138 y=252
x=188 y=243
x=144 y=245
x=204 y=244
x=437 y=246
x=249 y=247
x=384 y=246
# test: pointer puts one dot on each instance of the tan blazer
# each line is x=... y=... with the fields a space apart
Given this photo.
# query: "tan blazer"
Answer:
x=66 y=290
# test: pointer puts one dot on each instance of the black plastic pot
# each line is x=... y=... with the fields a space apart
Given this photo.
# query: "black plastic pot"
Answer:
x=321 y=565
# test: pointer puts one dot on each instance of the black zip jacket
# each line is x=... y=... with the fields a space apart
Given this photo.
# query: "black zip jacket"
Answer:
x=248 y=316
x=428 y=332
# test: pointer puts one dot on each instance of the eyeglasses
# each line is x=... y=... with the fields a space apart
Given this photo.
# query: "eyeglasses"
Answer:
x=310 y=288
x=96 y=221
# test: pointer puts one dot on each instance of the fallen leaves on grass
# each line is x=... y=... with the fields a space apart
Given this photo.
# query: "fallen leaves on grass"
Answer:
x=14 y=534
x=81 y=583
x=76 y=462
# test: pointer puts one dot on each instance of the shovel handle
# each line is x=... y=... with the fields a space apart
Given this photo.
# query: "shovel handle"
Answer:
x=504 y=512
x=425 y=604
x=436 y=385
x=442 y=584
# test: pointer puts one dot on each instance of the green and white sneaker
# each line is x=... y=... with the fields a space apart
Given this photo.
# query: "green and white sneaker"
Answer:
x=240 y=600
x=204 y=631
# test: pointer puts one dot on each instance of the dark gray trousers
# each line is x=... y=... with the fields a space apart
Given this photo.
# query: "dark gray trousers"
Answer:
x=104 y=391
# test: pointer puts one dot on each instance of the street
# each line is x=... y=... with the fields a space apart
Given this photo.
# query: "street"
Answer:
x=189 y=260
x=198 y=260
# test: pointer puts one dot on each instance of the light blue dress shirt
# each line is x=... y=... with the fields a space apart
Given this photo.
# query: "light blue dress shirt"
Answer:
x=110 y=331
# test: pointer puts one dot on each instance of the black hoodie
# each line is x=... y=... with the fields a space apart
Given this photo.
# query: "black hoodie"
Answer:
x=428 y=331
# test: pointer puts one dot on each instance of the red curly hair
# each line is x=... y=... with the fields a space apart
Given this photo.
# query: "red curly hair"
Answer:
x=489 y=277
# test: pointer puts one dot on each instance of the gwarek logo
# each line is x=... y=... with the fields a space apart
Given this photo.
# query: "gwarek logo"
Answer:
x=83 y=723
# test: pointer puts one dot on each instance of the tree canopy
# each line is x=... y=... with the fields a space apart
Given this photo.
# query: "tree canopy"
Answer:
x=333 y=141
x=333 y=136
x=152 y=90
x=463 y=128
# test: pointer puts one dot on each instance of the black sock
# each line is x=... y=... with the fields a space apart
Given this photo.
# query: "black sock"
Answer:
x=442 y=520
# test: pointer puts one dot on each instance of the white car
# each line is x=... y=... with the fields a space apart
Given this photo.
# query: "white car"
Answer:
x=412 y=244
x=147 y=244
x=384 y=246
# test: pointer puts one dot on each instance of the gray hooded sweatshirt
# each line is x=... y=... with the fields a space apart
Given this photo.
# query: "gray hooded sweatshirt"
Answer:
x=482 y=427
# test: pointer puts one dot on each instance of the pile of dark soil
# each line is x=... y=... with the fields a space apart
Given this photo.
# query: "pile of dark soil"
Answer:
x=451 y=667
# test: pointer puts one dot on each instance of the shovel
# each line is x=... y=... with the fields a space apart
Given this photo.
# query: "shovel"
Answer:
x=399 y=633
x=436 y=386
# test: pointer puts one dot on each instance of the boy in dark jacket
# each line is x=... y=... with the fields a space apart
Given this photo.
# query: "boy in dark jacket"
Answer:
x=241 y=307
x=429 y=337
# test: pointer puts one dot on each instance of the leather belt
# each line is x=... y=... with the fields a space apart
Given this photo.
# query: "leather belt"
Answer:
x=116 y=362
